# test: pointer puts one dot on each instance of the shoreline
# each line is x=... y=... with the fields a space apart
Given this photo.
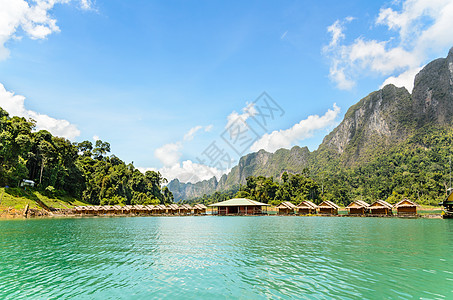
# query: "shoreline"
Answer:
x=16 y=215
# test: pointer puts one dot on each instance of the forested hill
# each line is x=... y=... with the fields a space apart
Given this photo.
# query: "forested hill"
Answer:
x=391 y=144
x=81 y=170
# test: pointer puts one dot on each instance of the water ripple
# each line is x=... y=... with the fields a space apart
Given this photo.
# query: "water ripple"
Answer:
x=225 y=258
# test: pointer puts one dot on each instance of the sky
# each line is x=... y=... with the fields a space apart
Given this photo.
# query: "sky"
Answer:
x=188 y=87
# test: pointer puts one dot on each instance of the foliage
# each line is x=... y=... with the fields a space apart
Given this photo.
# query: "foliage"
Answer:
x=80 y=170
x=417 y=169
x=294 y=188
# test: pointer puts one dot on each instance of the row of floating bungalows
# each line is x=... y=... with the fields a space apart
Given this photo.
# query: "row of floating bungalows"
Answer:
x=172 y=209
x=358 y=207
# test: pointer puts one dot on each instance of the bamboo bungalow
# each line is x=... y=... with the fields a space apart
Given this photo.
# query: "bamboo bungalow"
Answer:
x=127 y=209
x=381 y=207
x=306 y=207
x=358 y=207
x=406 y=207
x=117 y=209
x=172 y=209
x=80 y=210
x=328 y=208
x=448 y=206
x=239 y=206
x=185 y=209
x=160 y=209
x=149 y=209
x=199 y=209
x=110 y=209
x=286 y=208
x=90 y=210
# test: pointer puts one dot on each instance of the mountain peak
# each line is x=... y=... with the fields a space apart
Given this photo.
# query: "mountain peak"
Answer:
x=377 y=122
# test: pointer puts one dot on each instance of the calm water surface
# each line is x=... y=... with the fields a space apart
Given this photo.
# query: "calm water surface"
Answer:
x=226 y=257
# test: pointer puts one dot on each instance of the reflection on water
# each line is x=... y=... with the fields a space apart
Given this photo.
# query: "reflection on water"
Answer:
x=226 y=257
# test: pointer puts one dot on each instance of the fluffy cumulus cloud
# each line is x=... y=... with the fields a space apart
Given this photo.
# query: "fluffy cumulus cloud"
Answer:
x=240 y=119
x=169 y=154
x=187 y=171
x=14 y=105
x=300 y=131
x=418 y=29
x=31 y=18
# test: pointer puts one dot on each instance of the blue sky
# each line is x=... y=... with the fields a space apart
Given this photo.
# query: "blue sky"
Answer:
x=142 y=74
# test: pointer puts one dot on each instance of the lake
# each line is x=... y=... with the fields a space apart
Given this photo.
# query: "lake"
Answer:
x=226 y=257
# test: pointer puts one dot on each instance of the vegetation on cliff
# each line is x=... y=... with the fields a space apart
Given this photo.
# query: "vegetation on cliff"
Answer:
x=390 y=145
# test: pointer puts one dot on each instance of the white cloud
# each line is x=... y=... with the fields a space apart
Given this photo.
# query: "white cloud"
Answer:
x=420 y=29
x=95 y=138
x=405 y=79
x=188 y=171
x=14 y=105
x=86 y=4
x=300 y=131
x=169 y=154
x=240 y=120
x=34 y=20
x=191 y=133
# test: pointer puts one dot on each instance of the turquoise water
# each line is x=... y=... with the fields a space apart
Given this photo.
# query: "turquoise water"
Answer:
x=226 y=257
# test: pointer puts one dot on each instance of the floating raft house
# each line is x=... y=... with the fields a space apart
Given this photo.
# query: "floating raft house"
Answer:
x=358 y=207
x=406 y=207
x=381 y=207
x=286 y=208
x=239 y=206
x=306 y=207
x=328 y=208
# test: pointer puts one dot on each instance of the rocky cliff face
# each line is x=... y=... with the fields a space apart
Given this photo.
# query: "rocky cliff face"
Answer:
x=378 y=119
x=433 y=92
x=382 y=118
x=259 y=163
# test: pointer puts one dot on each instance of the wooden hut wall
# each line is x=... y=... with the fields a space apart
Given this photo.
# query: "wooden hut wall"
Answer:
x=284 y=211
x=381 y=211
x=328 y=211
x=306 y=210
x=222 y=211
x=357 y=211
x=407 y=210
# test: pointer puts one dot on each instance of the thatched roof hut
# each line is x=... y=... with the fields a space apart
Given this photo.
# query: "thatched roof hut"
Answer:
x=381 y=207
x=199 y=209
x=108 y=209
x=160 y=209
x=286 y=208
x=117 y=209
x=172 y=209
x=239 y=206
x=306 y=207
x=358 y=207
x=185 y=209
x=149 y=208
x=406 y=207
x=127 y=209
x=79 y=209
x=139 y=209
x=328 y=208
x=448 y=206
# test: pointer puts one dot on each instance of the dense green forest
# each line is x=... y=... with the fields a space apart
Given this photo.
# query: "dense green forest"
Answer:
x=417 y=169
x=81 y=170
x=292 y=187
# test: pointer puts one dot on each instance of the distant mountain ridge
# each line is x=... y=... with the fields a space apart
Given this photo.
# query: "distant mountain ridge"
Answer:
x=378 y=121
